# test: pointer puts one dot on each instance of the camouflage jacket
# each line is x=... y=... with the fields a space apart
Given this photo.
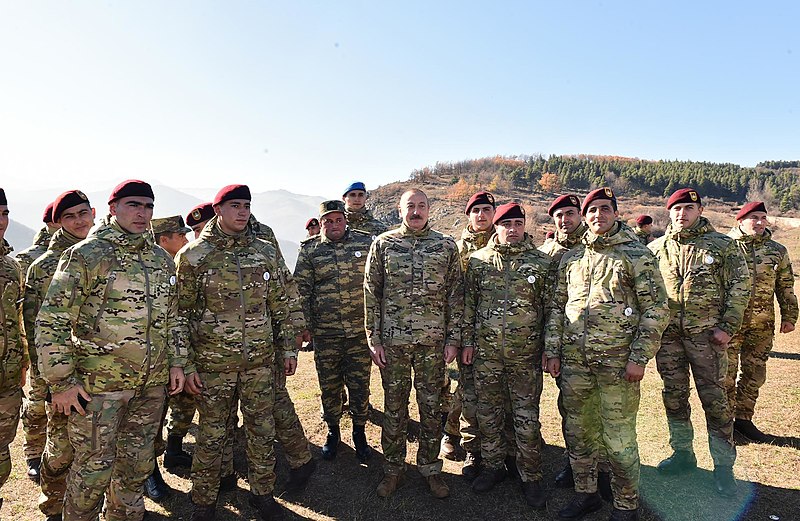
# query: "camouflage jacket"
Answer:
x=233 y=299
x=109 y=318
x=643 y=236
x=610 y=305
x=366 y=222
x=34 y=251
x=707 y=279
x=504 y=296
x=14 y=356
x=770 y=274
x=562 y=243
x=330 y=277
x=413 y=289
x=38 y=281
x=470 y=242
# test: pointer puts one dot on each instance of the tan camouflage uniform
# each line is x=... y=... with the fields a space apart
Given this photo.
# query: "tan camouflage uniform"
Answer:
x=609 y=308
x=364 y=221
x=643 y=236
x=414 y=300
x=708 y=284
x=40 y=243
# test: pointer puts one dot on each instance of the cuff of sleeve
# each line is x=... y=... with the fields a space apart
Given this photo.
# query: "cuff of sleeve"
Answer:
x=290 y=354
x=638 y=359
x=63 y=385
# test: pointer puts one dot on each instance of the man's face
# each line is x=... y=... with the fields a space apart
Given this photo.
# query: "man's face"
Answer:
x=133 y=213
x=481 y=217
x=333 y=226
x=510 y=231
x=684 y=215
x=78 y=220
x=567 y=219
x=355 y=199
x=3 y=220
x=173 y=242
x=198 y=228
x=646 y=228
x=414 y=210
x=600 y=216
x=754 y=223
x=233 y=215
x=313 y=229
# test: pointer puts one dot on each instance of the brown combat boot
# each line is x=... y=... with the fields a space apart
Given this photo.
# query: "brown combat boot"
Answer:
x=388 y=485
x=438 y=487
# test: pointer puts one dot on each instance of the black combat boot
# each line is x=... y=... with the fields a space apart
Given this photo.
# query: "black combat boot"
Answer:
x=534 y=494
x=624 y=515
x=750 y=431
x=564 y=478
x=34 y=469
x=681 y=461
x=266 y=507
x=724 y=482
x=487 y=479
x=155 y=487
x=298 y=478
x=175 y=456
x=360 y=443
x=583 y=503
x=331 y=443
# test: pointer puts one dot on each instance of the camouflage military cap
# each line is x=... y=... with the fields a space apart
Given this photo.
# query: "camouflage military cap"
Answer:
x=172 y=224
x=327 y=207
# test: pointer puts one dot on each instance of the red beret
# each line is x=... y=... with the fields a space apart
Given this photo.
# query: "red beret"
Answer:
x=508 y=211
x=312 y=222
x=755 y=206
x=131 y=188
x=479 y=198
x=595 y=195
x=564 y=201
x=199 y=214
x=232 y=192
x=66 y=201
x=644 y=219
x=47 y=218
x=550 y=235
x=684 y=195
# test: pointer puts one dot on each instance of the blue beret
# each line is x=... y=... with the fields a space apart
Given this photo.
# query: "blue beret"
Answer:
x=356 y=185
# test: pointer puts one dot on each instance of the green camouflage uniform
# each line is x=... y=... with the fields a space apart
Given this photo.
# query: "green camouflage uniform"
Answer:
x=235 y=303
x=504 y=316
x=40 y=243
x=57 y=454
x=771 y=277
x=109 y=323
x=708 y=284
x=414 y=301
x=330 y=278
x=643 y=236
x=364 y=221
x=15 y=355
x=609 y=308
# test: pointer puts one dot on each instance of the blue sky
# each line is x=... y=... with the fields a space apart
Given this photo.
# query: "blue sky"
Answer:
x=309 y=96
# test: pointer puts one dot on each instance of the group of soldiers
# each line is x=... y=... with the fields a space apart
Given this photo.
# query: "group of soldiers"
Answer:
x=116 y=323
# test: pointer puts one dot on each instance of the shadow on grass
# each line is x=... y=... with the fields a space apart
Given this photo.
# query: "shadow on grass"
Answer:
x=784 y=356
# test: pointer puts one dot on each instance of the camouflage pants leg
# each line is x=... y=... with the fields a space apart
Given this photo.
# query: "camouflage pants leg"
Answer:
x=181 y=414
x=601 y=421
x=470 y=432
x=343 y=362
x=709 y=366
x=227 y=468
x=428 y=366
x=749 y=348
x=114 y=454
x=10 y=404
x=56 y=461
x=34 y=416
x=288 y=429
x=451 y=403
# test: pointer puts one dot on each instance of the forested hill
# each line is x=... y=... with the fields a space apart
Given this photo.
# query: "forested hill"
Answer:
x=776 y=182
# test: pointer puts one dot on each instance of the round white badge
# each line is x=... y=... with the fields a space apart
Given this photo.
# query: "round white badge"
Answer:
x=628 y=312
x=531 y=279
x=708 y=259
x=374 y=237
x=357 y=254
x=266 y=275
x=172 y=280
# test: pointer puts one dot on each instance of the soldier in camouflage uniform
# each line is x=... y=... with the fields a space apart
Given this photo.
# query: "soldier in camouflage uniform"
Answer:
x=358 y=216
x=108 y=339
x=198 y=216
x=413 y=298
x=644 y=228
x=15 y=358
x=73 y=212
x=312 y=227
x=772 y=277
x=708 y=284
x=40 y=242
x=330 y=278
x=504 y=312
x=607 y=316
x=236 y=304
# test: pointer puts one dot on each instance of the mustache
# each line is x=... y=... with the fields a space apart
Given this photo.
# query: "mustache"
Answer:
x=415 y=217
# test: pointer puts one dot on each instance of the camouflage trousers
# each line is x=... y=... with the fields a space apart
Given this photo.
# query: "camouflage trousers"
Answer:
x=601 y=408
x=427 y=363
x=181 y=413
x=751 y=346
x=56 y=461
x=709 y=366
x=34 y=416
x=10 y=404
x=518 y=383
x=256 y=391
x=462 y=417
x=343 y=362
x=114 y=455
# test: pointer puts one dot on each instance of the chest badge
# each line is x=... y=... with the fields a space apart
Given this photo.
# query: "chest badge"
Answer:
x=173 y=280
x=531 y=279
x=708 y=259
x=628 y=312
x=357 y=254
x=266 y=275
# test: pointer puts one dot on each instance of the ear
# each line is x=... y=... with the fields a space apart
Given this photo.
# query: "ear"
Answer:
x=112 y=208
x=94 y=214
x=701 y=210
x=216 y=209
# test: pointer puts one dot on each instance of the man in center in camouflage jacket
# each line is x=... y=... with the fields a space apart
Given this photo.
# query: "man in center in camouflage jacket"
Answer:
x=504 y=312
x=73 y=212
x=413 y=302
x=606 y=319
x=772 y=278
x=234 y=299
x=330 y=278
x=108 y=337
x=355 y=210
x=708 y=284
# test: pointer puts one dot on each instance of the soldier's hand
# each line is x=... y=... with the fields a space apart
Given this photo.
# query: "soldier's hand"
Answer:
x=24 y=377
x=720 y=337
x=450 y=353
x=787 y=327
x=378 y=355
x=64 y=402
x=194 y=385
x=176 y=380
x=554 y=367
x=466 y=355
x=634 y=372
x=544 y=361
x=289 y=365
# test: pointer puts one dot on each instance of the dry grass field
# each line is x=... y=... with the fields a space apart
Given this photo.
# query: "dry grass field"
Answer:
x=768 y=475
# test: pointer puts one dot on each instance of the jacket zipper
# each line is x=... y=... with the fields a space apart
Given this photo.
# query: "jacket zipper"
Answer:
x=506 y=277
x=244 y=308
x=149 y=302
